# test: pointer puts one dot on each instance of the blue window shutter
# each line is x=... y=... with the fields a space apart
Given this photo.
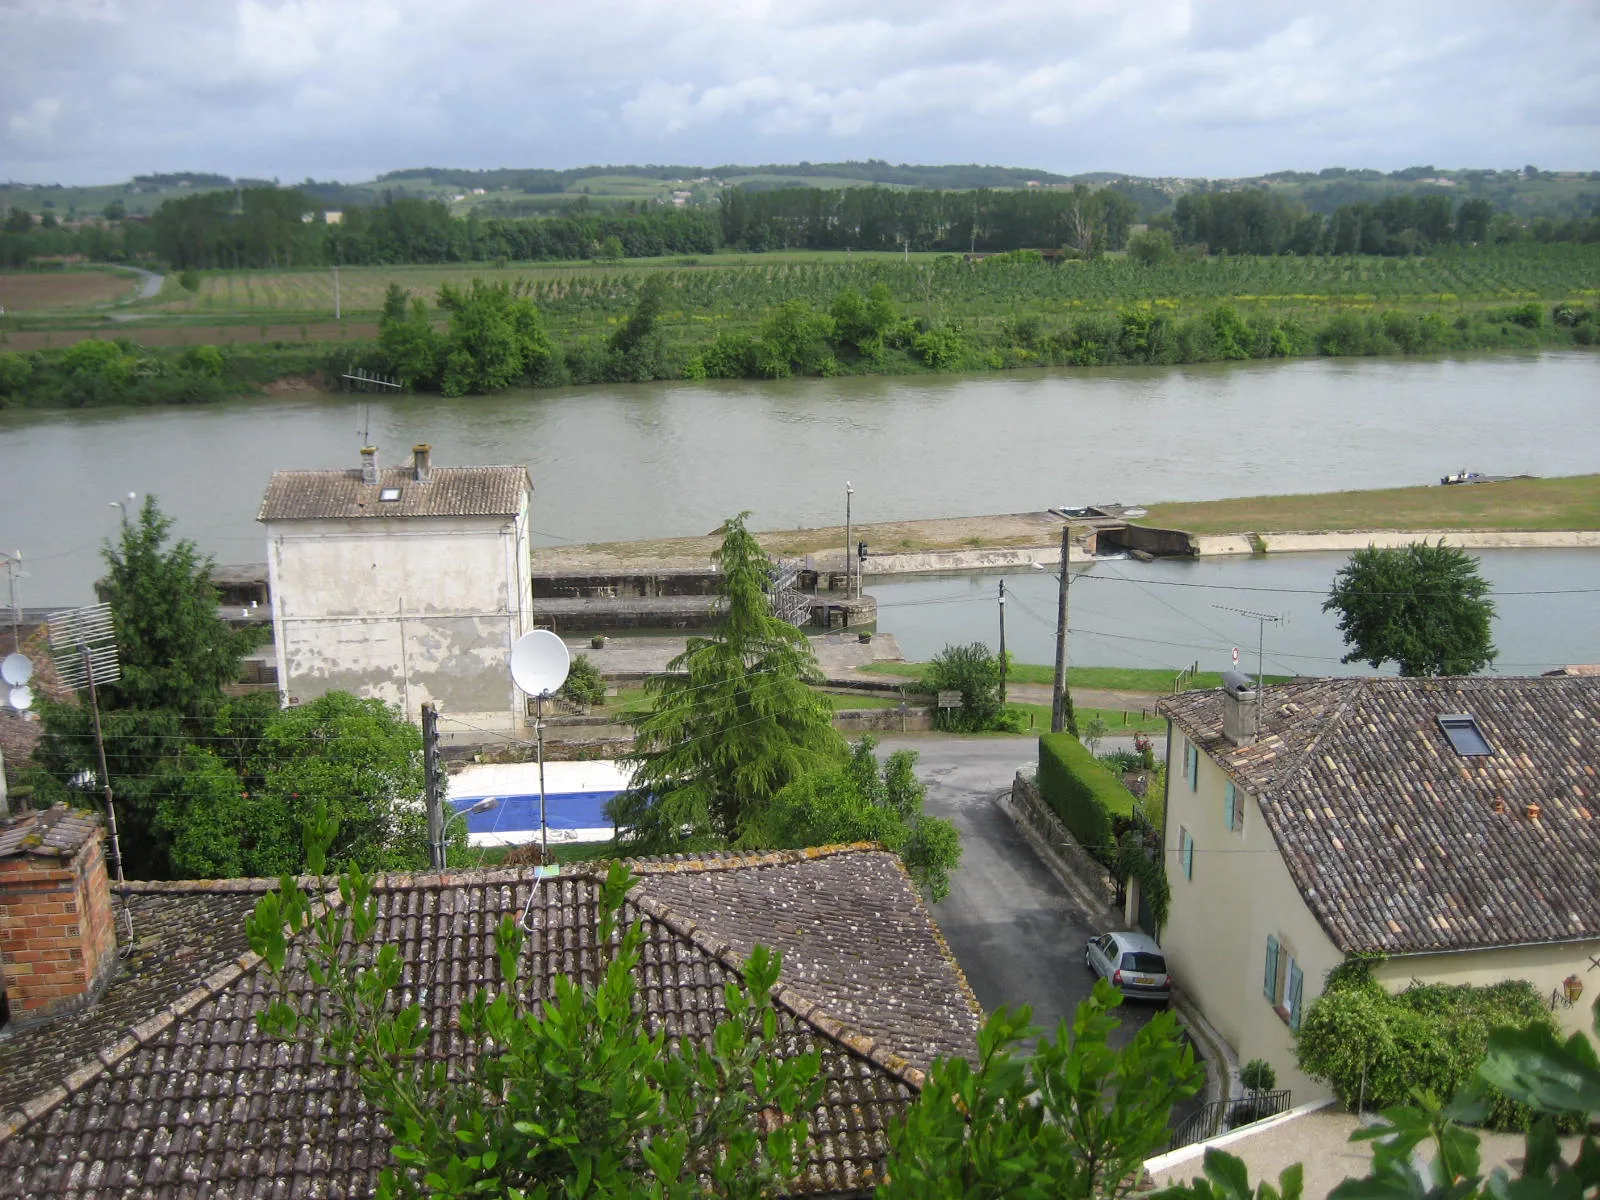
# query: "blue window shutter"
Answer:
x=1269 y=987
x=1230 y=803
x=1188 y=855
x=1194 y=769
x=1296 y=979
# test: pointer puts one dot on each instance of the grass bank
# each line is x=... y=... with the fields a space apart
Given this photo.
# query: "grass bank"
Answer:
x=1565 y=503
x=1110 y=679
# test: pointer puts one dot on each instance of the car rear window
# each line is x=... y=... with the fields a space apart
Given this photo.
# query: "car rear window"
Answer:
x=1144 y=962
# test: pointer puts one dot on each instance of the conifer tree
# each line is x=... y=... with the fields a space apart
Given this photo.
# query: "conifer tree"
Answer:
x=734 y=720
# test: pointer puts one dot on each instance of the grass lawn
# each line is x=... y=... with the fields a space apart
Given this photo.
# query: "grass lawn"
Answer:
x=633 y=700
x=1111 y=679
x=1119 y=723
x=1566 y=502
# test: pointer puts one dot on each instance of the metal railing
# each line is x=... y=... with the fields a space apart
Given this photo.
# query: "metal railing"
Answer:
x=788 y=602
x=1222 y=1115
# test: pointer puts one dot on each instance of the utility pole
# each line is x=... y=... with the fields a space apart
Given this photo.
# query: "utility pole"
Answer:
x=336 y=291
x=13 y=566
x=849 y=549
x=431 y=779
x=1058 y=701
x=1002 y=643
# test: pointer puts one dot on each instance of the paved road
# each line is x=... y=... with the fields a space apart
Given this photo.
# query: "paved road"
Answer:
x=1017 y=933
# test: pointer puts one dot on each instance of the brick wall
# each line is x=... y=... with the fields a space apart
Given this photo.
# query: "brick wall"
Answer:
x=57 y=930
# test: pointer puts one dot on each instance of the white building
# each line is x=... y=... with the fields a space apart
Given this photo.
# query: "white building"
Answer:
x=405 y=583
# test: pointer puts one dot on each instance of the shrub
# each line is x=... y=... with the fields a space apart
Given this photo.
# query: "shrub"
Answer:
x=1378 y=1049
x=584 y=684
x=1089 y=799
x=206 y=361
x=189 y=280
x=1257 y=1075
x=15 y=371
x=975 y=673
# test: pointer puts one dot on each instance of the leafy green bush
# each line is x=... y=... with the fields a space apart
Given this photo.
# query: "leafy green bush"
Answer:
x=1378 y=1049
x=1089 y=799
x=584 y=684
x=975 y=673
x=15 y=371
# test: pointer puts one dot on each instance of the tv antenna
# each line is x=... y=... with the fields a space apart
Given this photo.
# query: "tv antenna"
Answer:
x=1261 y=619
x=539 y=664
x=83 y=646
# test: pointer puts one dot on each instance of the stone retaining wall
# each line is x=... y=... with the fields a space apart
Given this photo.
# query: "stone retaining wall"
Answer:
x=1068 y=861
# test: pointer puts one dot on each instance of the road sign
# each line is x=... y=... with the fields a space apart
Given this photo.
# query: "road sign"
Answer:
x=950 y=699
x=1236 y=656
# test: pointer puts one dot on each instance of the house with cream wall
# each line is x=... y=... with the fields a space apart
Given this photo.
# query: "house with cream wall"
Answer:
x=408 y=583
x=1451 y=826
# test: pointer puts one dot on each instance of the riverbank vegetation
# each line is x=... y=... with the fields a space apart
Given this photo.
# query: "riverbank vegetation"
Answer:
x=460 y=333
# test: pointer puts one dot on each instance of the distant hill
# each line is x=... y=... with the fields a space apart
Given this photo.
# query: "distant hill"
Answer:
x=526 y=191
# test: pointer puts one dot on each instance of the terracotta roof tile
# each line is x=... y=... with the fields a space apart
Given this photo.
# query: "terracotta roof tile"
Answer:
x=173 y=1090
x=1399 y=844
x=340 y=495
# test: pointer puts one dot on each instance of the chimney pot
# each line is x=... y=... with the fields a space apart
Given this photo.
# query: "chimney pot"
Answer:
x=369 y=465
x=1241 y=708
x=421 y=462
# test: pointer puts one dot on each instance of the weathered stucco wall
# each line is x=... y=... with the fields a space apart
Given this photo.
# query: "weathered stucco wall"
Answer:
x=1545 y=966
x=408 y=610
x=1241 y=892
x=1216 y=937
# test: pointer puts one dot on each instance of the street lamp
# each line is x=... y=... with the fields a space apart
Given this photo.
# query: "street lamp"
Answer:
x=848 y=546
x=122 y=506
x=487 y=804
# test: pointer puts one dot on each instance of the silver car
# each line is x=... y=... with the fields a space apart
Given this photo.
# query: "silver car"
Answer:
x=1133 y=964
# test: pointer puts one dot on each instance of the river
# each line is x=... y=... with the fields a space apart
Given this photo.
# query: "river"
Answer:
x=672 y=459
x=1173 y=612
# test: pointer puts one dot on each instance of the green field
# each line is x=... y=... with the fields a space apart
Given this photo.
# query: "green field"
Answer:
x=1109 y=679
x=1569 y=502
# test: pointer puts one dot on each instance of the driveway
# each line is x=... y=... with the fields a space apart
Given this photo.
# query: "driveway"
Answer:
x=1017 y=933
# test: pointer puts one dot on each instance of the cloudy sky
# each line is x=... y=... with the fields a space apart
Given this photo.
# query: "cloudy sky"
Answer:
x=97 y=90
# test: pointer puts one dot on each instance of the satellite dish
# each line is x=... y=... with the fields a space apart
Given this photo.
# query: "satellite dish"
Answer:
x=16 y=670
x=21 y=698
x=539 y=662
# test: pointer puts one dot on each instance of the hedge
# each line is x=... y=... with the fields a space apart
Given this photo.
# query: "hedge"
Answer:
x=1376 y=1048
x=1089 y=799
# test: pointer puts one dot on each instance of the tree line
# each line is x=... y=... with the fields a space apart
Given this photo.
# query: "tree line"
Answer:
x=1088 y=221
x=1259 y=222
x=268 y=227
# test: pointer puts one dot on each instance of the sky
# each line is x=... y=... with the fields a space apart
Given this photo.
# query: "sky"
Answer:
x=94 y=91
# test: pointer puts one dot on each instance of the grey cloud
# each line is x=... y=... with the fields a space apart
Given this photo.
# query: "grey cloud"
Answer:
x=95 y=92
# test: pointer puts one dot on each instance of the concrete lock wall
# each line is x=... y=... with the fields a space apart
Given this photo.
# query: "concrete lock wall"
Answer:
x=408 y=611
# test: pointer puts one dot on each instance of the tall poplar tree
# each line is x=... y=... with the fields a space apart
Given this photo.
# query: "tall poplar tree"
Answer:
x=734 y=720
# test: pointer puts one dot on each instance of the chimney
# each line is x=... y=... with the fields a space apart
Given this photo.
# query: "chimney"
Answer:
x=369 y=464
x=422 y=467
x=58 y=941
x=1241 y=708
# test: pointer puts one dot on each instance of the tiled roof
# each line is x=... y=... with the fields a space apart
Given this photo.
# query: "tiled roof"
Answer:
x=166 y=1085
x=340 y=495
x=57 y=832
x=1399 y=844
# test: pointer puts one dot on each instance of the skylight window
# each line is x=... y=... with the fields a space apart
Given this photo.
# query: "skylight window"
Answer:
x=389 y=495
x=1464 y=734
